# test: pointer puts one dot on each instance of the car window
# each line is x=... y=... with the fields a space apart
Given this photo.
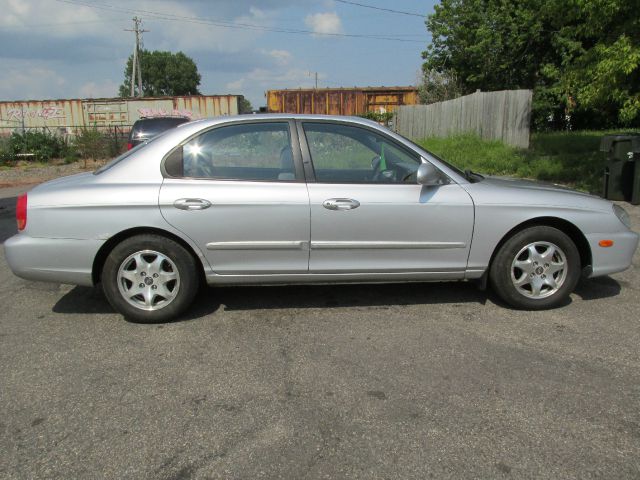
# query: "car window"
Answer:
x=347 y=154
x=258 y=151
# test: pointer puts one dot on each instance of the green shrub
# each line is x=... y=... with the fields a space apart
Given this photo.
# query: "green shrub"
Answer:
x=5 y=157
x=380 y=117
x=35 y=146
x=71 y=155
x=571 y=158
x=91 y=143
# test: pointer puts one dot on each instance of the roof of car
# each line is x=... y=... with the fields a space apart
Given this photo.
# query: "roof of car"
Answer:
x=165 y=117
x=283 y=116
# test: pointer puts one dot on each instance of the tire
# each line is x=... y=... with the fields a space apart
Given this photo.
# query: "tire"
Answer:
x=535 y=269
x=150 y=278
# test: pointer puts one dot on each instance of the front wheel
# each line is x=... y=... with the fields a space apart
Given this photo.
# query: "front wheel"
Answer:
x=537 y=268
x=150 y=278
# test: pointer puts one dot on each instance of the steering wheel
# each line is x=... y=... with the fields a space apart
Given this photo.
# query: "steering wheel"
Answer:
x=378 y=174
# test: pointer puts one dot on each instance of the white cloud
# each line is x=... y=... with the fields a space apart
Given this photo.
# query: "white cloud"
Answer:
x=53 y=18
x=320 y=23
x=261 y=79
x=104 y=89
x=279 y=75
x=235 y=86
x=62 y=20
x=27 y=82
x=61 y=50
x=206 y=36
x=282 y=57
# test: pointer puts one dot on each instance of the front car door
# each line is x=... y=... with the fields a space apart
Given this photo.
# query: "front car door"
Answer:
x=368 y=214
x=237 y=190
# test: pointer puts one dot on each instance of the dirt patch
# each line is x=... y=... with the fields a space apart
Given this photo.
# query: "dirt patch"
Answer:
x=30 y=173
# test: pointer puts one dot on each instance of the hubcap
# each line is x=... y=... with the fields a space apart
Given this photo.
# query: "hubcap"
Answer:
x=539 y=270
x=148 y=280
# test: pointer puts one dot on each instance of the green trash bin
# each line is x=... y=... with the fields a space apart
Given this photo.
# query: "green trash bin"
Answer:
x=622 y=170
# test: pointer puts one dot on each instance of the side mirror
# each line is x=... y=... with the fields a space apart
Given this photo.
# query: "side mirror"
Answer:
x=429 y=175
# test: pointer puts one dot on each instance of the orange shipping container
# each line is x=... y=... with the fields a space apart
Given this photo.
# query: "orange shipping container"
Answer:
x=340 y=101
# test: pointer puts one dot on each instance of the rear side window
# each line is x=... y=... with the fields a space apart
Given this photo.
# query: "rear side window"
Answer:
x=259 y=151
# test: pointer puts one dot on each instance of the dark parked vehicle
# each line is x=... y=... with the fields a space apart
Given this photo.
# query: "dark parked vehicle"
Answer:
x=147 y=128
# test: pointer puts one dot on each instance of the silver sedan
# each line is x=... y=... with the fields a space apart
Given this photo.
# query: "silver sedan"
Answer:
x=283 y=199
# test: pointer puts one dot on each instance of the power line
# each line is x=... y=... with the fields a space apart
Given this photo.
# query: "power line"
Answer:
x=229 y=24
x=61 y=24
x=388 y=10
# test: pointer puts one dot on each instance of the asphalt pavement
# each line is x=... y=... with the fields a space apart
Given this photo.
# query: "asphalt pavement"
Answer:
x=373 y=382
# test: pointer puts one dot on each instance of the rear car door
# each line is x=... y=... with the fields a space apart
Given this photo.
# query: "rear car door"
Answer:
x=369 y=215
x=237 y=190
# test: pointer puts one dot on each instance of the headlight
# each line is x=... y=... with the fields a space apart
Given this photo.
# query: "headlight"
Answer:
x=622 y=215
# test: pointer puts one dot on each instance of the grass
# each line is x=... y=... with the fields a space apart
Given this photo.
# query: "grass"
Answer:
x=570 y=158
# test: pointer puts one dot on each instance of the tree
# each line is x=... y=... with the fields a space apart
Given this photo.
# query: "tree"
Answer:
x=163 y=73
x=438 y=86
x=244 y=106
x=486 y=44
x=581 y=57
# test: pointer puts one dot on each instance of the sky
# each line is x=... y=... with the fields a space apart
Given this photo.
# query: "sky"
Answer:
x=78 y=48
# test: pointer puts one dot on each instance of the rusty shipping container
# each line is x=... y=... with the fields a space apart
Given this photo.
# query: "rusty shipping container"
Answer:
x=340 y=101
x=64 y=116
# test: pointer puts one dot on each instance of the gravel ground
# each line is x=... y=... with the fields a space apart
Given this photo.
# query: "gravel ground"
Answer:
x=379 y=381
x=27 y=174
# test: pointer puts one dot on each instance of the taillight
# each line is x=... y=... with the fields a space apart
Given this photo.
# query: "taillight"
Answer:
x=129 y=145
x=21 y=211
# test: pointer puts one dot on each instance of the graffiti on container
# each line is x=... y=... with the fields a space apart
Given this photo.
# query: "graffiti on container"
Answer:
x=45 y=112
x=162 y=112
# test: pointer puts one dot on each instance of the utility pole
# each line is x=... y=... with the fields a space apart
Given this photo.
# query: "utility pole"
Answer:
x=316 y=74
x=137 y=22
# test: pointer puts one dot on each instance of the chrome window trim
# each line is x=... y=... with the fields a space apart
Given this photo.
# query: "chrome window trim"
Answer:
x=269 y=245
x=350 y=245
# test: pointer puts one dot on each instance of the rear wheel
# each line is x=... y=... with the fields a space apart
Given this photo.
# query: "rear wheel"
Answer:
x=535 y=269
x=150 y=278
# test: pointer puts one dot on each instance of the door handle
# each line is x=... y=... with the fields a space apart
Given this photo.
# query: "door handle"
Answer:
x=192 y=203
x=340 y=204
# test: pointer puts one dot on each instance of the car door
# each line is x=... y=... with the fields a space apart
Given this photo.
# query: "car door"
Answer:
x=369 y=215
x=238 y=192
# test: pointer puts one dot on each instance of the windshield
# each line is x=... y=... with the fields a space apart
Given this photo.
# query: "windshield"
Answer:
x=126 y=154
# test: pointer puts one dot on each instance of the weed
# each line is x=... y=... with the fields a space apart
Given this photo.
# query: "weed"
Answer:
x=572 y=158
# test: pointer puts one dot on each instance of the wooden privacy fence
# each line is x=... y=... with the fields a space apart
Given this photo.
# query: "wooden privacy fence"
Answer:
x=503 y=115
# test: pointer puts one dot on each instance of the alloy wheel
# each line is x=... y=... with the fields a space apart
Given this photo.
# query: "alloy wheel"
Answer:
x=539 y=270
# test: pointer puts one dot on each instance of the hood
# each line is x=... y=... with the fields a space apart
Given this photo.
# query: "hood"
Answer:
x=519 y=192
x=523 y=184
